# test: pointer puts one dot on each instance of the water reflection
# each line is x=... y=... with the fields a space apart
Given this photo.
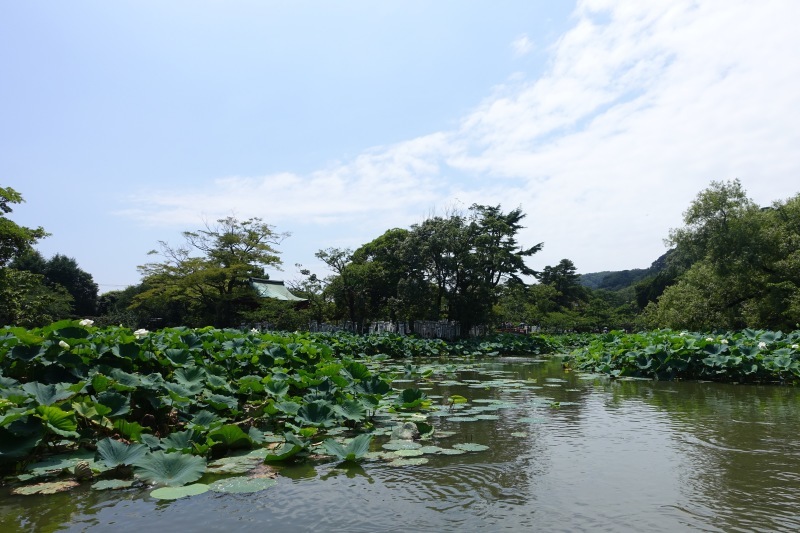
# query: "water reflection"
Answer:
x=566 y=454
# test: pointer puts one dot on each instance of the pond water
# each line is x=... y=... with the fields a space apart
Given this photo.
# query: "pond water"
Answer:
x=566 y=453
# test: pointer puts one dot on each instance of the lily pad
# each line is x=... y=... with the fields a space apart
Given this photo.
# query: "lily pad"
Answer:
x=50 y=487
x=408 y=453
x=395 y=445
x=112 y=484
x=174 y=493
x=242 y=484
x=452 y=451
x=471 y=447
x=411 y=461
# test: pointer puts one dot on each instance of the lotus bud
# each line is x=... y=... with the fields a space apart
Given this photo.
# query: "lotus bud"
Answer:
x=83 y=471
x=63 y=344
x=86 y=322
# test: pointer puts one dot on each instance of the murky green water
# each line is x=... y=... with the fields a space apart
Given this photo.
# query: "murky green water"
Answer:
x=609 y=456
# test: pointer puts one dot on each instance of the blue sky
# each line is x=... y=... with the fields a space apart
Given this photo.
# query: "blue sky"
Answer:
x=124 y=123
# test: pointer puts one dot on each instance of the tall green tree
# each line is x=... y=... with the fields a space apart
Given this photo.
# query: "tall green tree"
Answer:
x=208 y=275
x=24 y=299
x=466 y=257
x=564 y=278
x=63 y=271
x=14 y=239
x=746 y=264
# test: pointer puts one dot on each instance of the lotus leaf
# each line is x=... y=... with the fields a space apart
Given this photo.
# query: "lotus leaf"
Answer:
x=351 y=410
x=317 y=413
x=221 y=402
x=51 y=487
x=394 y=445
x=408 y=461
x=408 y=453
x=276 y=388
x=242 y=484
x=354 y=451
x=172 y=469
x=112 y=484
x=132 y=430
x=48 y=394
x=175 y=493
x=118 y=403
x=470 y=447
x=58 y=421
x=182 y=441
x=231 y=437
x=114 y=453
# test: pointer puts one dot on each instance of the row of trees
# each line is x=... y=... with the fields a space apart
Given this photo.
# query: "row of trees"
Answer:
x=732 y=265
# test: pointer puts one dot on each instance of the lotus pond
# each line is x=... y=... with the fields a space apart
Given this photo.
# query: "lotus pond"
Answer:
x=518 y=443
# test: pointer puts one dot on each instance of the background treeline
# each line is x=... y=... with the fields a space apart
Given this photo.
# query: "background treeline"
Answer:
x=733 y=264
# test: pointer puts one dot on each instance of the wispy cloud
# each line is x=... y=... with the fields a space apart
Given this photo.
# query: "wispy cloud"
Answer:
x=522 y=45
x=642 y=105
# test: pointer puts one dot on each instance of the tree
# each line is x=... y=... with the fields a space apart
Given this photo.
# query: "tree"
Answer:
x=63 y=271
x=565 y=279
x=23 y=298
x=745 y=264
x=466 y=258
x=208 y=276
x=350 y=286
x=14 y=239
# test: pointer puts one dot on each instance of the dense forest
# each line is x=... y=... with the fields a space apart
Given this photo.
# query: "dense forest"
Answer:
x=733 y=264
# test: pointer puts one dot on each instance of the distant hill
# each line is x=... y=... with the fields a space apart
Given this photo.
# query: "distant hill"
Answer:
x=614 y=280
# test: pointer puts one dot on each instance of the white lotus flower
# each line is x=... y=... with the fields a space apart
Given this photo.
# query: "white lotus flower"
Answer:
x=139 y=333
x=86 y=322
x=762 y=344
x=794 y=346
x=710 y=339
x=254 y=330
x=63 y=344
x=683 y=334
x=724 y=341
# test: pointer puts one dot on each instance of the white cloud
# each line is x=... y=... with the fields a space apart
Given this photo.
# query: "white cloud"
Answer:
x=644 y=103
x=522 y=46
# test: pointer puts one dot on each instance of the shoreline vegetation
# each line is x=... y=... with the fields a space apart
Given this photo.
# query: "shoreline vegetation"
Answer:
x=118 y=406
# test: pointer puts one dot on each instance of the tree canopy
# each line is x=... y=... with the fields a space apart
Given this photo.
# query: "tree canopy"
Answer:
x=205 y=280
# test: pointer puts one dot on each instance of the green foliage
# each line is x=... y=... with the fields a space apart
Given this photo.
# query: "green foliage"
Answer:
x=745 y=356
x=355 y=450
x=14 y=239
x=209 y=288
x=745 y=264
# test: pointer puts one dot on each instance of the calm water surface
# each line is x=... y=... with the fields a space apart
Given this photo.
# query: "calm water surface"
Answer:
x=609 y=456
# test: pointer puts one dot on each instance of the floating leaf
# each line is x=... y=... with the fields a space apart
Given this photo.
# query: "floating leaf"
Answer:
x=175 y=493
x=242 y=484
x=394 y=445
x=112 y=484
x=470 y=447
x=51 y=487
x=410 y=461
